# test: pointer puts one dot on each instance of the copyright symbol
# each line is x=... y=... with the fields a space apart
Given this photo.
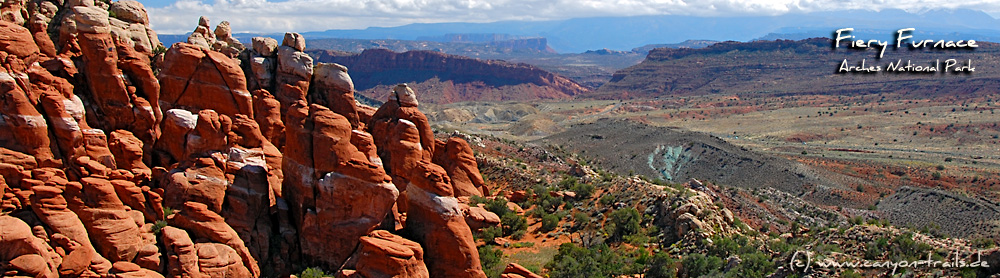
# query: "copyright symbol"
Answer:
x=800 y=260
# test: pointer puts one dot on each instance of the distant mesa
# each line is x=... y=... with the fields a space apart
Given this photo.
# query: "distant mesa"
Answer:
x=449 y=78
x=783 y=67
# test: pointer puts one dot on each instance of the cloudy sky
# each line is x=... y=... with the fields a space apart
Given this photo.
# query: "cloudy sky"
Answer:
x=181 y=16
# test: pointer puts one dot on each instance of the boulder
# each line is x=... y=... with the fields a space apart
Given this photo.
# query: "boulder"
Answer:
x=332 y=87
x=205 y=223
x=209 y=134
x=177 y=123
x=294 y=72
x=198 y=78
x=478 y=217
x=513 y=269
x=127 y=151
x=182 y=257
x=383 y=254
x=201 y=180
x=295 y=41
x=130 y=10
x=264 y=46
x=18 y=41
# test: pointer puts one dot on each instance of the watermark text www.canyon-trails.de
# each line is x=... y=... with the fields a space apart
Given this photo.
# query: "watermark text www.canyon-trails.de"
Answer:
x=802 y=260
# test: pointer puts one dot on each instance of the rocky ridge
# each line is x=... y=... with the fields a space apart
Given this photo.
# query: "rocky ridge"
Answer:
x=451 y=78
x=122 y=158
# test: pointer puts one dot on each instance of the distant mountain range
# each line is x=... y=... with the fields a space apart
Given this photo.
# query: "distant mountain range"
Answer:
x=625 y=33
x=811 y=66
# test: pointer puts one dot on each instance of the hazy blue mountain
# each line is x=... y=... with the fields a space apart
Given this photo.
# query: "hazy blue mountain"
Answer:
x=625 y=33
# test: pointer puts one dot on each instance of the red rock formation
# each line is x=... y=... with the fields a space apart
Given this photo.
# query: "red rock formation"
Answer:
x=260 y=63
x=457 y=158
x=24 y=128
x=67 y=120
x=177 y=123
x=106 y=88
x=201 y=180
x=433 y=214
x=136 y=67
x=402 y=105
x=108 y=222
x=128 y=270
x=514 y=270
x=182 y=257
x=197 y=78
x=188 y=259
x=383 y=254
x=326 y=177
x=209 y=134
x=333 y=88
x=24 y=253
x=53 y=210
x=478 y=217
x=247 y=209
x=205 y=223
x=267 y=113
x=295 y=70
x=127 y=151
x=214 y=157
x=18 y=41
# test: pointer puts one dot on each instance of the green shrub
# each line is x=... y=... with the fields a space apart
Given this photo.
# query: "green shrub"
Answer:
x=850 y=274
x=583 y=190
x=313 y=272
x=874 y=250
x=662 y=266
x=625 y=222
x=549 y=222
x=983 y=243
x=518 y=234
x=600 y=261
x=523 y=244
x=491 y=258
x=488 y=234
x=512 y=223
x=580 y=220
x=697 y=264
x=754 y=265
x=159 y=49
x=607 y=199
x=158 y=226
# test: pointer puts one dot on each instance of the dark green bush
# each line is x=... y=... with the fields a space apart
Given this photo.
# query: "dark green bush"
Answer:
x=625 y=222
x=697 y=264
x=491 y=260
x=549 y=222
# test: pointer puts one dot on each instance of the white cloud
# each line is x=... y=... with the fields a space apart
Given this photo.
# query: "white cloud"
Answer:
x=317 y=15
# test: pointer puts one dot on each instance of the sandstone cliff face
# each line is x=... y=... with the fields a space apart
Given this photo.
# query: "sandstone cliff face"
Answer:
x=448 y=78
x=231 y=162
